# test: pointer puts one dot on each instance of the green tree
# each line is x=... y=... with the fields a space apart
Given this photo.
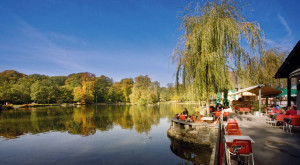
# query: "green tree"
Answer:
x=261 y=70
x=102 y=87
x=211 y=45
x=42 y=91
x=143 y=92
x=126 y=87
x=65 y=95
x=58 y=80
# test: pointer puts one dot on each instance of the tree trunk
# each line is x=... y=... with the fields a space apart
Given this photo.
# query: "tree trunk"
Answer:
x=207 y=105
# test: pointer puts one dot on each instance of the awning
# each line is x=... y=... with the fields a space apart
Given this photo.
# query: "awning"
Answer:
x=295 y=73
x=265 y=91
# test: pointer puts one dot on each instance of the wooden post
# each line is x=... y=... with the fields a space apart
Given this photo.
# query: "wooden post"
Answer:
x=289 y=97
x=298 y=93
x=259 y=97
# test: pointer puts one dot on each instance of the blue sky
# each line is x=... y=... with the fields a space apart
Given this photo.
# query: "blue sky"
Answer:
x=116 y=38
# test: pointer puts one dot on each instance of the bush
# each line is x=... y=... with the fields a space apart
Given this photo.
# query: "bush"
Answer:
x=256 y=106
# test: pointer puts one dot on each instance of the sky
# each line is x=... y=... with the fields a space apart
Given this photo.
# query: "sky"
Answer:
x=116 y=38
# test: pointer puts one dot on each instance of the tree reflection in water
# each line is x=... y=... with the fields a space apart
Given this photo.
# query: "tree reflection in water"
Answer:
x=193 y=154
x=84 y=120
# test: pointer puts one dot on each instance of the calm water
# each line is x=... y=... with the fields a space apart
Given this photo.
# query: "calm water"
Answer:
x=95 y=135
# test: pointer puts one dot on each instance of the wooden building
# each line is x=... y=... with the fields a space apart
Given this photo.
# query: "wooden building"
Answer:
x=291 y=68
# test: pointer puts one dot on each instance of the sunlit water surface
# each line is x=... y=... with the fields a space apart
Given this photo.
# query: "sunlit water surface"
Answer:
x=95 y=135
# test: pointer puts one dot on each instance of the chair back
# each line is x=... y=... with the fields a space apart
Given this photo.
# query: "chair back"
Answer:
x=246 y=109
x=295 y=116
x=246 y=146
x=231 y=121
x=181 y=117
x=295 y=122
x=234 y=132
x=241 y=109
x=225 y=114
x=280 y=117
x=217 y=113
x=232 y=126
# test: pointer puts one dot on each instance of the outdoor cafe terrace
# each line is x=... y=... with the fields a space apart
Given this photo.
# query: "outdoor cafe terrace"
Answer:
x=272 y=144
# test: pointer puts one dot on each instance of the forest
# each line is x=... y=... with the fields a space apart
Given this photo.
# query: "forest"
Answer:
x=84 y=88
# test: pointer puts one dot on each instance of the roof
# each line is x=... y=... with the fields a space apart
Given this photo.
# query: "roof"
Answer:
x=295 y=73
x=290 y=64
x=265 y=91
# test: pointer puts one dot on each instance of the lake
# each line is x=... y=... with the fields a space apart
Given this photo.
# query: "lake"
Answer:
x=102 y=134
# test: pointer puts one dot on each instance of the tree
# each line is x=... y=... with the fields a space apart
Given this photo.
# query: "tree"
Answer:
x=42 y=91
x=143 y=92
x=261 y=70
x=211 y=45
x=102 y=87
x=84 y=92
x=126 y=87
x=65 y=95
x=58 y=80
x=10 y=75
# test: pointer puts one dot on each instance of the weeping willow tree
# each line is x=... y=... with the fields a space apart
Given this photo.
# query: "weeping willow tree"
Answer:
x=211 y=46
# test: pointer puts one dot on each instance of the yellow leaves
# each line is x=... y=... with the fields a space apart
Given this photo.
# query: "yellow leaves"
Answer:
x=212 y=42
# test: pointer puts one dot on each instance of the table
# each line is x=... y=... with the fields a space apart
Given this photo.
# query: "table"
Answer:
x=228 y=144
x=230 y=138
x=207 y=118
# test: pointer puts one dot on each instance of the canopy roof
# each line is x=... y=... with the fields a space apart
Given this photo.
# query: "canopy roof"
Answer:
x=295 y=72
x=290 y=64
x=265 y=91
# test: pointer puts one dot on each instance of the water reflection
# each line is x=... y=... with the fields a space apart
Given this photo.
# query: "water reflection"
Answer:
x=108 y=135
x=193 y=154
x=83 y=120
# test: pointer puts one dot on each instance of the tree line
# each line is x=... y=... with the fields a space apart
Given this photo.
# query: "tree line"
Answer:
x=19 y=88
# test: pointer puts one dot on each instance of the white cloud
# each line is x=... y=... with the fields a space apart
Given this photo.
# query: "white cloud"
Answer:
x=285 y=24
x=286 y=43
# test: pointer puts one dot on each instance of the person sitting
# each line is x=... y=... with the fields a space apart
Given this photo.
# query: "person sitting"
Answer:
x=282 y=111
x=291 y=111
x=185 y=112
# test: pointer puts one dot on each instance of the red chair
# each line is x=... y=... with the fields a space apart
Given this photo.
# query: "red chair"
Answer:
x=195 y=121
x=182 y=117
x=225 y=114
x=247 y=110
x=231 y=121
x=232 y=126
x=245 y=151
x=279 y=119
x=234 y=132
x=217 y=114
x=241 y=109
x=294 y=123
